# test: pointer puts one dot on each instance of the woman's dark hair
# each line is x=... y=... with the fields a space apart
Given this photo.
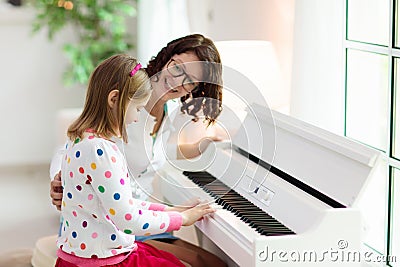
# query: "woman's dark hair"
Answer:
x=208 y=95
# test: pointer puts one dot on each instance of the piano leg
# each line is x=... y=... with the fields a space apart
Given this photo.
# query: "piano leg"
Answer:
x=189 y=234
x=210 y=246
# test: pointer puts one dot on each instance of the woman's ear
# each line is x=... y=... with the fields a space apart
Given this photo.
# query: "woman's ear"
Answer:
x=113 y=98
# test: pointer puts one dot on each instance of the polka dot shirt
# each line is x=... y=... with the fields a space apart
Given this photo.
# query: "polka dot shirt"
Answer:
x=100 y=215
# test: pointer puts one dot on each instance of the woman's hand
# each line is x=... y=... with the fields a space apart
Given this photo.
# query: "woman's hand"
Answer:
x=192 y=215
x=56 y=191
x=188 y=151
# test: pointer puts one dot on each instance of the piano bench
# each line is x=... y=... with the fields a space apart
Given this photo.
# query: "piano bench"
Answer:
x=45 y=252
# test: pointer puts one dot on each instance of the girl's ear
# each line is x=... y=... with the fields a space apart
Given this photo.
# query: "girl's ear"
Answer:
x=113 y=98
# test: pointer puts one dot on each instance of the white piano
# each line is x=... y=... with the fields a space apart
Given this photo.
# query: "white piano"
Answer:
x=284 y=191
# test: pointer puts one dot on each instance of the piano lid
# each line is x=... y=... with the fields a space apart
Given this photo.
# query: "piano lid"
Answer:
x=331 y=164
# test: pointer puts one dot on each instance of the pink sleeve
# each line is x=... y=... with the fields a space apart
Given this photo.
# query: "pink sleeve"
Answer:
x=157 y=207
x=175 y=221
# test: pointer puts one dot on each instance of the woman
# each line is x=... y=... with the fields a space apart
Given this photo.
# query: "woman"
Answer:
x=176 y=73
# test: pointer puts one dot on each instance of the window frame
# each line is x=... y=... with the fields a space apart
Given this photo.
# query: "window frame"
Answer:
x=392 y=52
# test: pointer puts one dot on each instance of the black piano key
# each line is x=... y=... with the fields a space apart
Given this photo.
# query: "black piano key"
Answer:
x=230 y=200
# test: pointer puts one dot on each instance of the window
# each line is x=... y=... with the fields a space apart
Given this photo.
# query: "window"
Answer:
x=372 y=47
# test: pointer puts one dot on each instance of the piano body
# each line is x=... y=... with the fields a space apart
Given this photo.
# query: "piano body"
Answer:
x=284 y=190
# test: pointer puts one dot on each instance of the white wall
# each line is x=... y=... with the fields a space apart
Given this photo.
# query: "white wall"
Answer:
x=268 y=20
x=31 y=89
x=317 y=92
x=306 y=34
x=308 y=38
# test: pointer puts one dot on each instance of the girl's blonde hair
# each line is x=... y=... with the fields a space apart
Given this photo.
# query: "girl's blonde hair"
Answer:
x=113 y=73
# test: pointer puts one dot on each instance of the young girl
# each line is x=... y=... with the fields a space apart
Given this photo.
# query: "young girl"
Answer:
x=100 y=216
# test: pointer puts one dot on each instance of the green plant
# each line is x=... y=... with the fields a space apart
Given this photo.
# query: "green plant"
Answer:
x=100 y=26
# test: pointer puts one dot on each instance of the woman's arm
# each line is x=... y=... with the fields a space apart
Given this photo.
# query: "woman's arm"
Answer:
x=56 y=191
x=188 y=151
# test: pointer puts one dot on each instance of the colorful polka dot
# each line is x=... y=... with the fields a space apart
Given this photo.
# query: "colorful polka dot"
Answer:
x=74 y=234
x=113 y=159
x=93 y=166
x=94 y=216
x=94 y=235
x=77 y=140
x=114 y=252
x=145 y=226
x=99 y=152
x=162 y=226
x=101 y=189
x=89 y=180
x=122 y=181
x=91 y=137
x=127 y=231
x=90 y=197
x=71 y=174
x=84 y=224
x=107 y=174
x=128 y=216
x=140 y=212
x=69 y=160
x=112 y=211
x=78 y=187
x=147 y=234
x=117 y=196
x=77 y=154
x=69 y=195
x=74 y=213
x=63 y=203
x=94 y=256
x=81 y=170
x=83 y=246
x=113 y=237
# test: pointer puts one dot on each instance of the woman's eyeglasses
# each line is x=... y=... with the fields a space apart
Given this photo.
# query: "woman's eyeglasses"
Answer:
x=176 y=70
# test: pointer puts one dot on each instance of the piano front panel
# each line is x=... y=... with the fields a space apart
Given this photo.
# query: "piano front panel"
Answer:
x=244 y=176
x=303 y=158
x=316 y=225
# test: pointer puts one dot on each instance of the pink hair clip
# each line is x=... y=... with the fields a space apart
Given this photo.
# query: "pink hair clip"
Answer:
x=135 y=69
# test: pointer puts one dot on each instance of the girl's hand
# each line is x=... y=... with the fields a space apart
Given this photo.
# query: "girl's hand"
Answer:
x=185 y=206
x=56 y=191
x=192 y=215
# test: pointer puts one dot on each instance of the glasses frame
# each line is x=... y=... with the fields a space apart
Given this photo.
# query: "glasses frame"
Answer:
x=187 y=81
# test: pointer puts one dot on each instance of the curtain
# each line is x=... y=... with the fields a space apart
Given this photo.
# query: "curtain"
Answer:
x=159 y=21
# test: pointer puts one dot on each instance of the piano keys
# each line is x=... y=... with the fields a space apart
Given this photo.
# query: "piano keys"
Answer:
x=238 y=205
x=284 y=192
